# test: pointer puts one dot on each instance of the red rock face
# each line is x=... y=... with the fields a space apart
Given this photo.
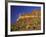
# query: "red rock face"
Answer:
x=33 y=22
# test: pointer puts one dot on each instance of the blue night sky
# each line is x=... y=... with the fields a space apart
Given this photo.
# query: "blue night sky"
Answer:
x=16 y=10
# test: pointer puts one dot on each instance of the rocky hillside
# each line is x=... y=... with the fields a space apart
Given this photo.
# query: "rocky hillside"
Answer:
x=28 y=21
